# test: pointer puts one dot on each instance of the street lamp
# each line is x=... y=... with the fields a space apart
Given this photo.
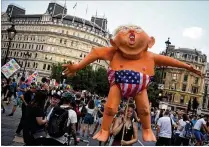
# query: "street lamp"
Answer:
x=165 y=53
x=11 y=34
x=27 y=55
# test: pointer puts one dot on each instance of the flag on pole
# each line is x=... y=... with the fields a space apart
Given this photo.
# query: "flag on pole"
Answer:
x=95 y=19
x=63 y=15
x=75 y=6
x=86 y=9
x=74 y=12
x=102 y=23
x=84 y=20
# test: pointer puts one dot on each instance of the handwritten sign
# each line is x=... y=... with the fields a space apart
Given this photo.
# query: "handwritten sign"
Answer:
x=10 y=68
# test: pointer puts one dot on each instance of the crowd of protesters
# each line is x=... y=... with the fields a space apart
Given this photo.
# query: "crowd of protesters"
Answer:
x=45 y=107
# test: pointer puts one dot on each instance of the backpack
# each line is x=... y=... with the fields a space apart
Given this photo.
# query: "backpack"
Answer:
x=77 y=110
x=188 y=130
x=57 y=125
x=83 y=111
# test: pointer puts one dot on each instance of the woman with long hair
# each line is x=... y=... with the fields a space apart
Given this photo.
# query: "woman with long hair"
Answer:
x=89 y=117
x=35 y=120
x=130 y=134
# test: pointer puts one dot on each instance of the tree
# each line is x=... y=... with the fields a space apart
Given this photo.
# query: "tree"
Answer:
x=56 y=72
x=91 y=80
x=102 y=85
x=153 y=91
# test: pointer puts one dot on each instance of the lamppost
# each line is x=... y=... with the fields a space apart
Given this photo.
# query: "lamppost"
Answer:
x=11 y=34
x=165 y=53
x=27 y=55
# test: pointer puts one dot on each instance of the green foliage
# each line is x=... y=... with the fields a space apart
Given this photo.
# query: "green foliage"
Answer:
x=56 y=72
x=153 y=91
x=85 y=79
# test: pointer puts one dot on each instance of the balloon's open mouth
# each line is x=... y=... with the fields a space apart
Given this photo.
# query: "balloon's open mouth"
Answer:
x=132 y=38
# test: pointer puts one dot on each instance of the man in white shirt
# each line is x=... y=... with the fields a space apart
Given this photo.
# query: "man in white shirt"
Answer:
x=196 y=130
x=164 y=130
x=72 y=120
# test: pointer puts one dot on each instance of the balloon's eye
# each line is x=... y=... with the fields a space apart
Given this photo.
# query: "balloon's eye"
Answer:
x=124 y=29
x=138 y=29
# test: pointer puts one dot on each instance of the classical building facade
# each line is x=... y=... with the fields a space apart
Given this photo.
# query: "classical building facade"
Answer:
x=180 y=85
x=205 y=104
x=51 y=37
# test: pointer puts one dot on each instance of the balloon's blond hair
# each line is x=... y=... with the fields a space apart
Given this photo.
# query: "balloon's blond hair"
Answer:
x=120 y=27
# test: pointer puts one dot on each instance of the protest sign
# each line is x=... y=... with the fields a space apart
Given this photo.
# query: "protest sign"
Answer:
x=10 y=68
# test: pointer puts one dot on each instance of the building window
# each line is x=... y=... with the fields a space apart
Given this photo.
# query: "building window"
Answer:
x=184 y=86
x=36 y=55
x=60 y=40
x=65 y=42
x=28 y=64
x=48 y=68
x=164 y=75
x=196 y=58
x=44 y=66
x=36 y=65
x=174 y=76
x=194 y=89
x=196 y=80
x=182 y=99
x=185 y=78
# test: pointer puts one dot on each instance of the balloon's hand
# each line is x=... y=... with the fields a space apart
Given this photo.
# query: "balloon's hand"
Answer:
x=70 y=69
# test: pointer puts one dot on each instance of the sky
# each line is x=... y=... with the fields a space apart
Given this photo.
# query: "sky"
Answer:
x=185 y=22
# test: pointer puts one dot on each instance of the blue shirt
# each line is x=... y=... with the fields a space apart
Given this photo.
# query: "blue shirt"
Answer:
x=14 y=84
x=23 y=86
x=194 y=122
x=97 y=102
x=19 y=93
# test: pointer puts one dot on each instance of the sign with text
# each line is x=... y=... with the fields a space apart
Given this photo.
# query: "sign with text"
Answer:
x=10 y=68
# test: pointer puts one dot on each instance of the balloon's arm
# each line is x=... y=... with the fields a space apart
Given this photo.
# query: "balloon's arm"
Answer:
x=161 y=60
x=102 y=53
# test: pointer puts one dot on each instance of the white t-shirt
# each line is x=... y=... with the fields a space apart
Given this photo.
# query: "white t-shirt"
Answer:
x=199 y=124
x=72 y=118
x=165 y=126
x=90 y=111
x=182 y=132
x=181 y=124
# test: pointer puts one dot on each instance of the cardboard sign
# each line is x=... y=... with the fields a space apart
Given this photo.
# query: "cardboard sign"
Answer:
x=10 y=68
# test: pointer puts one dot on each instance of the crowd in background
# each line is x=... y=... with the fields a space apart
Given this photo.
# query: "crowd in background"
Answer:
x=38 y=102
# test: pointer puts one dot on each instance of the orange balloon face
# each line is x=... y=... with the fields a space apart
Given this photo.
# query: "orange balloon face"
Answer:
x=131 y=40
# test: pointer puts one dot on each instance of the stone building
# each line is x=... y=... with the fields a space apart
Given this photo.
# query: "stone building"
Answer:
x=180 y=85
x=51 y=37
x=205 y=104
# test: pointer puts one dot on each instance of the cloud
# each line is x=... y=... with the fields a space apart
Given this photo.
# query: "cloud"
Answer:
x=193 y=32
